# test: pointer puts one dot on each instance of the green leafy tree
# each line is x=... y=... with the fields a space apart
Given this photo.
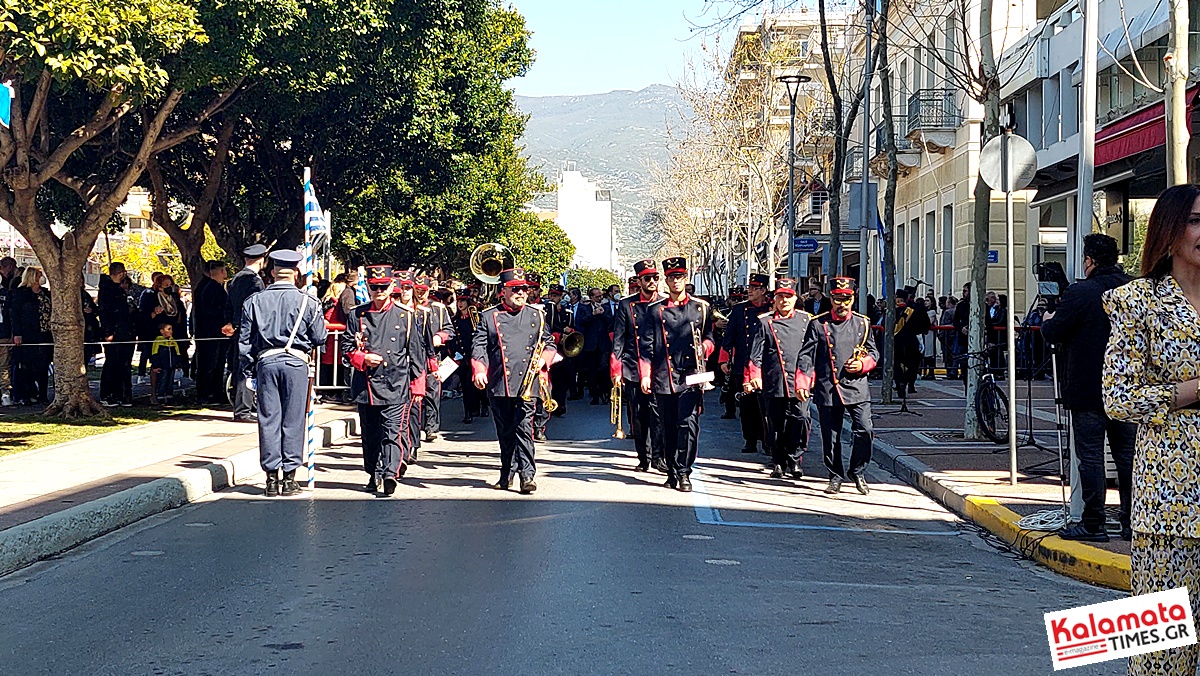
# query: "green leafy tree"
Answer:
x=539 y=246
x=586 y=278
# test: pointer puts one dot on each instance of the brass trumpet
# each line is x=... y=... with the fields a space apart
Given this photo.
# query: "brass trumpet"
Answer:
x=614 y=411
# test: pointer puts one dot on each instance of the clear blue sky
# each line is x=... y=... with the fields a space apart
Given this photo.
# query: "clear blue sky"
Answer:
x=594 y=46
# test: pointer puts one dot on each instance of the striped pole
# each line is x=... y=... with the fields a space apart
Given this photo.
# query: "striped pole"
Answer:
x=311 y=417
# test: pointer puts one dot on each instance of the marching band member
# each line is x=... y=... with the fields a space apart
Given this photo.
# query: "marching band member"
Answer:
x=773 y=370
x=443 y=331
x=505 y=360
x=559 y=320
x=541 y=417
x=675 y=341
x=735 y=354
x=384 y=338
x=644 y=422
x=838 y=353
x=465 y=319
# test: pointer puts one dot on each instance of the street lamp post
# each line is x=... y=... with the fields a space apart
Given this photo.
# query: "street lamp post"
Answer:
x=792 y=82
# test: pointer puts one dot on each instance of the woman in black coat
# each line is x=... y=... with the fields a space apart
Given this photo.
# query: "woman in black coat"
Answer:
x=161 y=303
x=32 y=342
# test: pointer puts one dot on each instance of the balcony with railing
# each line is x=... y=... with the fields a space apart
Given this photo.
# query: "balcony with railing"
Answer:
x=933 y=118
x=908 y=154
x=811 y=210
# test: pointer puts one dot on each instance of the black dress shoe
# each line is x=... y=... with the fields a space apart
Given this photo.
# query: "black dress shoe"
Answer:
x=539 y=435
x=835 y=486
x=403 y=469
x=528 y=486
x=777 y=472
x=248 y=418
x=860 y=482
x=797 y=473
x=503 y=484
x=750 y=448
x=288 y=486
x=1080 y=533
x=671 y=482
x=272 y=489
x=642 y=467
x=685 y=484
x=372 y=485
x=389 y=486
x=660 y=465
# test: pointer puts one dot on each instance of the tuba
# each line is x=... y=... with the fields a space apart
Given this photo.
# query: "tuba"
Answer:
x=572 y=344
x=488 y=260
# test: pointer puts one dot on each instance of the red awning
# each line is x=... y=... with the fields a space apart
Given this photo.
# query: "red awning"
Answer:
x=1137 y=132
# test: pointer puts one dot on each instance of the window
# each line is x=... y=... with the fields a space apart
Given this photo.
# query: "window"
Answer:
x=947 y=280
x=950 y=42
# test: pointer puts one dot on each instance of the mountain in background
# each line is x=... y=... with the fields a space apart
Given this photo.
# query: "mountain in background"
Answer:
x=613 y=139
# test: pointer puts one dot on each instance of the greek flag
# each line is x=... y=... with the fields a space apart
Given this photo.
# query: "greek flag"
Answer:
x=315 y=224
x=360 y=287
x=6 y=97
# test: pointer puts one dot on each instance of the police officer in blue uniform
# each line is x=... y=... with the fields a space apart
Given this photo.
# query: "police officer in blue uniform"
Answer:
x=773 y=370
x=675 y=342
x=735 y=354
x=244 y=284
x=280 y=327
x=837 y=355
x=644 y=423
x=383 y=337
x=512 y=343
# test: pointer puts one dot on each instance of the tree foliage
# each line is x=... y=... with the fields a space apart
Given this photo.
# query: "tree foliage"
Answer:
x=586 y=278
x=539 y=246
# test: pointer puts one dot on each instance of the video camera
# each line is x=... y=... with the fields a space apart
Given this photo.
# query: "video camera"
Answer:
x=1052 y=282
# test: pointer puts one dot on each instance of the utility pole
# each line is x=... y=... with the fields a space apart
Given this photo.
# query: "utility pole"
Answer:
x=865 y=195
x=1087 y=141
x=1177 y=62
x=792 y=82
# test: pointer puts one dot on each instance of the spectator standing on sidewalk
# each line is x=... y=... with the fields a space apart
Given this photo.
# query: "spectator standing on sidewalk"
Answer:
x=1151 y=371
x=208 y=316
x=165 y=361
x=962 y=322
x=1080 y=328
x=8 y=270
x=117 y=327
x=948 y=340
x=244 y=284
x=32 y=342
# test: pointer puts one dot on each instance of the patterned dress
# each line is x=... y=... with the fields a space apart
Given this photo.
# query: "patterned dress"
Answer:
x=1155 y=344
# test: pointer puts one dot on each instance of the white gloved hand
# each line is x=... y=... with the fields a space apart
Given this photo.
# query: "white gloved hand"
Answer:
x=252 y=384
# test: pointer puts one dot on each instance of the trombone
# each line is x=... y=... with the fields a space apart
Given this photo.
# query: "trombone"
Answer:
x=614 y=411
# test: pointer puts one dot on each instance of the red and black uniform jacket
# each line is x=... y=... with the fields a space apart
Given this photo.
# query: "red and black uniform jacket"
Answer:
x=667 y=343
x=740 y=333
x=775 y=354
x=502 y=347
x=828 y=345
x=393 y=333
x=627 y=322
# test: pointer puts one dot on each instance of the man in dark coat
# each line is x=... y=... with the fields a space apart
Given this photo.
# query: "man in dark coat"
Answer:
x=774 y=371
x=594 y=320
x=119 y=327
x=502 y=356
x=208 y=316
x=735 y=354
x=912 y=322
x=244 y=284
x=1079 y=328
x=644 y=423
x=836 y=358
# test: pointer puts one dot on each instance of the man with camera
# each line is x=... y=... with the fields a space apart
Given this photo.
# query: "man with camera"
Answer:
x=1080 y=327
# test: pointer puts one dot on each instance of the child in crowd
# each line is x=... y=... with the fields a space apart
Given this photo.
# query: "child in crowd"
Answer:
x=165 y=361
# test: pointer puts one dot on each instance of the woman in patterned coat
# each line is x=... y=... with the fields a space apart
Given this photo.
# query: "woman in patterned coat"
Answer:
x=1151 y=370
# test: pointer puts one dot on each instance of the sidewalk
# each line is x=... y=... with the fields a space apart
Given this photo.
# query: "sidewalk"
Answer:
x=972 y=477
x=54 y=498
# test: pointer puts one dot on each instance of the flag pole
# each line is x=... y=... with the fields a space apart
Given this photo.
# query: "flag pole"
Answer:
x=310 y=417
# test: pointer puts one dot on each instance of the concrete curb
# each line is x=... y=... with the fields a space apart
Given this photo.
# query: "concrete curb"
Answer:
x=56 y=533
x=1075 y=559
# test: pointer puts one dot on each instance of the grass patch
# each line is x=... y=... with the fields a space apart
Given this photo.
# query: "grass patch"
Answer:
x=26 y=432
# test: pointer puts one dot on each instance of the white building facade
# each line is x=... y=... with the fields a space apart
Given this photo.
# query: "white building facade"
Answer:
x=585 y=214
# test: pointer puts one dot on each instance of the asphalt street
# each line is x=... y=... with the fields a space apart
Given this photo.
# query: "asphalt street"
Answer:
x=601 y=571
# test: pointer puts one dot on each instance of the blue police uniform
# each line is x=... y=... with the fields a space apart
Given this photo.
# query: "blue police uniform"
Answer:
x=271 y=319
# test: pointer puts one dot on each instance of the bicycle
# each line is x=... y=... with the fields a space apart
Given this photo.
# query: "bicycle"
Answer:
x=991 y=403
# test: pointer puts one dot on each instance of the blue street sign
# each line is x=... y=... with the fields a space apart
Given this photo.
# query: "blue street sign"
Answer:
x=993 y=256
x=806 y=245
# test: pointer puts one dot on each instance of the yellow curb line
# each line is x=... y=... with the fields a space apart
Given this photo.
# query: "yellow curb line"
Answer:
x=1076 y=559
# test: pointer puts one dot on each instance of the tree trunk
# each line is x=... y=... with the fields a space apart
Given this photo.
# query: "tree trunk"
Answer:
x=1177 y=63
x=72 y=398
x=889 y=214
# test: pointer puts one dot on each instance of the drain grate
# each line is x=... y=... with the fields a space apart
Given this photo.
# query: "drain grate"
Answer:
x=940 y=437
x=223 y=435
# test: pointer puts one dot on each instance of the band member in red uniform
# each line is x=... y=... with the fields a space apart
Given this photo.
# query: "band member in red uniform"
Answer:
x=510 y=347
x=443 y=328
x=541 y=417
x=735 y=354
x=773 y=370
x=383 y=337
x=838 y=353
x=644 y=423
x=558 y=318
x=675 y=342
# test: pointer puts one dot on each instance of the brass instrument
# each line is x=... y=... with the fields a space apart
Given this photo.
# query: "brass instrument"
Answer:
x=614 y=412
x=547 y=400
x=488 y=260
x=473 y=313
x=572 y=344
x=535 y=372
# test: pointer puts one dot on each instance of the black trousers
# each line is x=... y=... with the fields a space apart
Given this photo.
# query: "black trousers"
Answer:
x=753 y=412
x=514 y=428
x=431 y=408
x=680 y=415
x=412 y=435
x=210 y=369
x=593 y=372
x=283 y=396
x=541 y=417
x=472 y=397
x=381 y=438
x=31 y=369
x=1090 y=428
x=243 y=397
x=790 y=423
x=116 y=379
x=645 y=426
x=831 y=438
x=560 y=384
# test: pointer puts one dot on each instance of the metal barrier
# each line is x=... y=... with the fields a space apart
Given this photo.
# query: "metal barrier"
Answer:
x=337 y=373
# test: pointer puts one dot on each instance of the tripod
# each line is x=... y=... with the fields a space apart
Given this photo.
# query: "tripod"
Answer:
x=903 y=398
